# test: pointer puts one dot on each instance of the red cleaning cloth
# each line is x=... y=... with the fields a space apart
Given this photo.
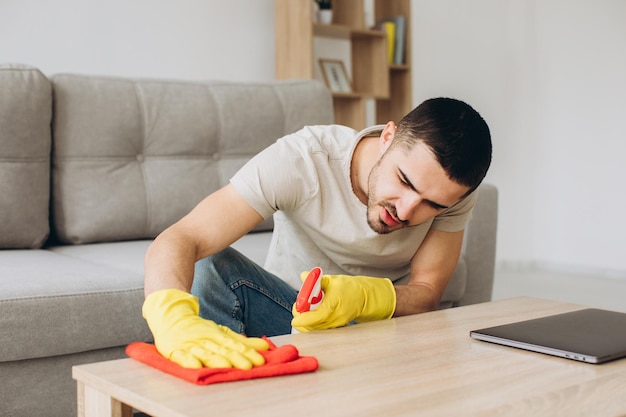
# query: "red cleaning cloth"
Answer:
x=284 y=360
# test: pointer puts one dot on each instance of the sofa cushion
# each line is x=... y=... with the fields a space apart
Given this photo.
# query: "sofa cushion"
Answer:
x=25 y=114
x=54 y=304
x=131 y=157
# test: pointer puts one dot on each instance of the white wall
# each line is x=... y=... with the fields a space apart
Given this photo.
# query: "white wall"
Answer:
x=548 y=75
x=581 y=121
x=188 y=39
x=477 y=51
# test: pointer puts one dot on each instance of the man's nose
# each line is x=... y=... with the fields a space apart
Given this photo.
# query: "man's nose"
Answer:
x=407 y=205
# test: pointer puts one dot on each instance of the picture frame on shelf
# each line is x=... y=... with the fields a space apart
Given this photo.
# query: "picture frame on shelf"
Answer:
x=335 y=75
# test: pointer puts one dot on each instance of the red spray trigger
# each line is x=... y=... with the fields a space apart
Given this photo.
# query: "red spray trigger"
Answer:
x=311 y=293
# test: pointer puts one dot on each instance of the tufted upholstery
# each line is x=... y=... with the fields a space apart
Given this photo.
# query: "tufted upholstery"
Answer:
x=133 y=156
x=24 y=156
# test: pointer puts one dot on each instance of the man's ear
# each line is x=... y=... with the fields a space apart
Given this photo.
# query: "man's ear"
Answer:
x=387 y=136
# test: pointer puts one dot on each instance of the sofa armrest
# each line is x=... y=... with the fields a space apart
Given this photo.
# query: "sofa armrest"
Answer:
x=479 y=247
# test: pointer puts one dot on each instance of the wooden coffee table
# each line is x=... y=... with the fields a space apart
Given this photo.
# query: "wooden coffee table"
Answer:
x=424 y=364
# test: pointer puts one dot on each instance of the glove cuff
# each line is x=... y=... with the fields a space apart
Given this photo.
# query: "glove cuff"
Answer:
x=381 y=301
x=162 y=302
x=390 y=297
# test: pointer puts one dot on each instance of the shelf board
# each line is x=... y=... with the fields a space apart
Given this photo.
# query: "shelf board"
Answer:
x=344 y=32
x=348 y=95
x=364 y=33
x=331 y=31
x=359 y=96
x=403 y=67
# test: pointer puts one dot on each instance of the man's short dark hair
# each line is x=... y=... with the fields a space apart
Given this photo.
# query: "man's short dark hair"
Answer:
x=456 y=134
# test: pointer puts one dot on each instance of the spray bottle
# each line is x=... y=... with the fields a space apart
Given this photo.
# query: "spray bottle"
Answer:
x=311 y=294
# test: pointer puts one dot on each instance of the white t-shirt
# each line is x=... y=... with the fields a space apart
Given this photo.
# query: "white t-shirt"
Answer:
x=304 y=180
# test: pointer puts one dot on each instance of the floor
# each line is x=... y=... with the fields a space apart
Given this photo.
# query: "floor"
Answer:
x=580 y=288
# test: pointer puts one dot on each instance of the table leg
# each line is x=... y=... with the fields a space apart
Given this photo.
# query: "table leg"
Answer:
x=94 y=403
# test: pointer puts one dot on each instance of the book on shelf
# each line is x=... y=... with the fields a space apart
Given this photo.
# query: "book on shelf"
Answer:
x=390 y=30
x=398 y=54
x=395 y=28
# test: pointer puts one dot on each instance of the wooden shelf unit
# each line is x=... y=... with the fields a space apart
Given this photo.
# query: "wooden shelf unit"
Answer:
x=372 y=76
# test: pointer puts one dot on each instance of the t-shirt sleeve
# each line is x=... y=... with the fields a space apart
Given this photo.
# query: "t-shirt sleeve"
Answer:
x=279 y=177
x=456 y=217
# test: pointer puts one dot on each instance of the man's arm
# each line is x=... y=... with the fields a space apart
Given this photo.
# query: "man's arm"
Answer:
x=361 y=298
x=172 y=314
x=214 y=224
x=431 y=268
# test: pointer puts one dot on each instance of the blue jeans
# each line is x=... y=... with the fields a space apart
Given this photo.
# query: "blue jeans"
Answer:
x=236 y=292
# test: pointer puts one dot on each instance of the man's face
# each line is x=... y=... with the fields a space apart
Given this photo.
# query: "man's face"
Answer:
x=407 y=188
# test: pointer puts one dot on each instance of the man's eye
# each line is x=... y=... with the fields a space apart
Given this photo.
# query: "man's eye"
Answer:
x=435 y=206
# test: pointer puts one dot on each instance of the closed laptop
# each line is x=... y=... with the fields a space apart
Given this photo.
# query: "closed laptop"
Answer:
x=589 y=335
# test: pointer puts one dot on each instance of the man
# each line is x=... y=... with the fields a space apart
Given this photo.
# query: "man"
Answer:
x=375 y=209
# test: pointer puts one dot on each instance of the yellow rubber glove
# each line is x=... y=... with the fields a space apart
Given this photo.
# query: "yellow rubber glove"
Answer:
x=185 y=338
x=346 y=299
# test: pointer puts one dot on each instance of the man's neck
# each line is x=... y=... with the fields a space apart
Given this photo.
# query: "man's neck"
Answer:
x=363 y=159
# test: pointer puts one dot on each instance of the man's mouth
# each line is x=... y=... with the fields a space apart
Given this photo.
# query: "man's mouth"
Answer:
x=388 y=218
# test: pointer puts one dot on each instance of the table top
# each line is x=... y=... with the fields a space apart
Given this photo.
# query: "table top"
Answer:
x=423 y=364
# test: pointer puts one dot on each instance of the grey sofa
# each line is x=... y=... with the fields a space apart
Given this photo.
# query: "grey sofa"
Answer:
x=91 y=169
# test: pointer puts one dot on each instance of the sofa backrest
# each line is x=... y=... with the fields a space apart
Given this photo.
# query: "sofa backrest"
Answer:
x=25 y=113
x=130 y=157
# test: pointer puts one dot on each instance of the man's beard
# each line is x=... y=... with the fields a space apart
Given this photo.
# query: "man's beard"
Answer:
x=374 y=220
x=373 y=208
